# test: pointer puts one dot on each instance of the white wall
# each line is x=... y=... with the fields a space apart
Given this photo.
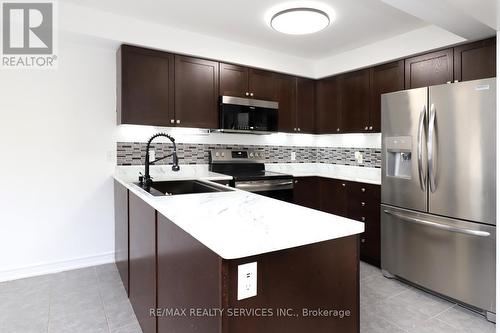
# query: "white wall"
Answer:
x=498 y=172
x=56 y=130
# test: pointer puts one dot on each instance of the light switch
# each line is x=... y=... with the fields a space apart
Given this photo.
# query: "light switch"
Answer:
x=247 y=280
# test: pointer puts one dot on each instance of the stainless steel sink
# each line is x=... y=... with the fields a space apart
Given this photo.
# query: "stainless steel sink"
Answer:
x=176 y=187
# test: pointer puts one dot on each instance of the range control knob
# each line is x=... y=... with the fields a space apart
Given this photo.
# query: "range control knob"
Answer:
x=217 y=154
x=222 y=154
x=251 y=154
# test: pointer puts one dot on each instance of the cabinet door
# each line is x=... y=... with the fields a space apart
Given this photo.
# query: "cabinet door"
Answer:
x=384 y=79
x=145 y=86
x=196 y=92
x=305 y=105
x=142 y=261
x=475 y=60
x=188 y=277
x=287 y=104
x=306 y=192
x=121 y=231
x=328 y=106
x=333 y=196
x=429 y=69
x=263 y=84
x=355 y=101
x=233 y=80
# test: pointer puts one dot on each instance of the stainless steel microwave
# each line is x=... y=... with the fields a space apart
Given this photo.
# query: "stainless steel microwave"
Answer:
x=244 y=115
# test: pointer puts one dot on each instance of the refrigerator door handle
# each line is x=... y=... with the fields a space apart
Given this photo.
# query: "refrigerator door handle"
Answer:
x=430 y=148
x=421 y=175
x=438 y=225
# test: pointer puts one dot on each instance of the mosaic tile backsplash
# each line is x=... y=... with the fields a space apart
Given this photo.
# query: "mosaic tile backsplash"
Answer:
x=133 y=153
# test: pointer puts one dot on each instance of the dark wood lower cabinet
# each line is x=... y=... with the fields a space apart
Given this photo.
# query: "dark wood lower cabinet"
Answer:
x=357 y=201
x=306 y=192
x=142 y=278
x=188 y=278
x=318 y=276
x=121 y=232
x=185 y=282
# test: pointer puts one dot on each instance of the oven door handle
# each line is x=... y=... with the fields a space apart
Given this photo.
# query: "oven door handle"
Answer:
x=259 y=186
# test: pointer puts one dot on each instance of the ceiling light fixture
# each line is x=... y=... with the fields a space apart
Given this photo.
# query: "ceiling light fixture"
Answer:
x=300 y=21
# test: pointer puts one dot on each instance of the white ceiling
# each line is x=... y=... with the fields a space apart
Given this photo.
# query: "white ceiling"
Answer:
x=355 y=22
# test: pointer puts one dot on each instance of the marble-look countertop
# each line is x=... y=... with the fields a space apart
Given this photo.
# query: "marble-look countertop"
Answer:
x=238 y=224
x=344 y=172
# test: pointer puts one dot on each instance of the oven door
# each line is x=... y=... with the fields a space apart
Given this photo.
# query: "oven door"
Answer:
x=248 y=115
x=281 y=189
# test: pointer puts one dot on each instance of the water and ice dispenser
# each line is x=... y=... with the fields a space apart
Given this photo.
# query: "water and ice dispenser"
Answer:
x=398 y=156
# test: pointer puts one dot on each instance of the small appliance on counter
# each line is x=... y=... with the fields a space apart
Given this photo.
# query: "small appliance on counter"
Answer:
x=438 y=190
x=246 y=115
x=248 y=171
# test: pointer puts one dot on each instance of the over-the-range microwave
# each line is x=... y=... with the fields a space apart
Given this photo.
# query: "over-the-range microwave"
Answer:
x=245 y=115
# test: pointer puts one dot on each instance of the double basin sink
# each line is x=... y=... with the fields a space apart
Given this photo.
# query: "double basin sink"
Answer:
x=176 y=187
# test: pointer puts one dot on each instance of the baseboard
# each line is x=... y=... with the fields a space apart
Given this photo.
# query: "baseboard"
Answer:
x=56 y=267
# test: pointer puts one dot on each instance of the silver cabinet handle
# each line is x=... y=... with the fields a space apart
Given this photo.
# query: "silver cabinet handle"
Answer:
x=298 y=129
x=246 y=94
x=366 y=128
x=438 y=225
x=430 y=148
x=178 y=121
x=370 y=128
x=338 y=129
x=421 y=175
x=363 y=218
x=363 y=189
x=251 y=94
x=363 y=204
x=363 y=240
x=295 y=181
x=295 y=129
x=343 y=184
x=172 y=121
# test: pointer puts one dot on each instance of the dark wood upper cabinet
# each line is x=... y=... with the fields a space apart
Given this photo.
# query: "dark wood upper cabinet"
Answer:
x=385 y=78
x=328 y=105
x=475 y=60
x=429 y=69
x=287 y=92
x=233 y=80
x=142 y=279
x=145 y=86
x=305 y=105
x=263 y=84
x=355 y=101
x=196 y=92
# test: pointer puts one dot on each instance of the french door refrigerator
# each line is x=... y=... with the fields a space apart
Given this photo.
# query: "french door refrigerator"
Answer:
x=438 y=190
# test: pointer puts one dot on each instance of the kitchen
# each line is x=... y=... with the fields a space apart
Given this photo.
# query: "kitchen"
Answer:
x=254 y=115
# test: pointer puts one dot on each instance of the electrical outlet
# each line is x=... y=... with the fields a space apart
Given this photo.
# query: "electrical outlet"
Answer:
x=152 y=155
x=293 y=156
x=247 y=280
x=358 y=156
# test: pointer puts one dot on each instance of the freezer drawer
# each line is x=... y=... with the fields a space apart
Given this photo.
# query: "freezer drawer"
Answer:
x=448 y=256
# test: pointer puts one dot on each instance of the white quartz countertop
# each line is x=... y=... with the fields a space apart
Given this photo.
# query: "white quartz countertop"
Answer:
x=344 y=172
x=238 y=224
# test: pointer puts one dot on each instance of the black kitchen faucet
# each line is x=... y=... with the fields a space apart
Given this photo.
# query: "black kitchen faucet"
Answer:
x=147 y=181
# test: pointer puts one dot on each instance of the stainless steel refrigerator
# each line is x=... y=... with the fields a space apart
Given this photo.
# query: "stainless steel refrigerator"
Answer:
x=438 y=190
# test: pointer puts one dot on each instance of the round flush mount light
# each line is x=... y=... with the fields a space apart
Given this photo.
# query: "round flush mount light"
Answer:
x=300 y=21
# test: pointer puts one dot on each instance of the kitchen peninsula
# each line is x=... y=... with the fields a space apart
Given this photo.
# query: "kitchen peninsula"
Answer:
x=188 y=253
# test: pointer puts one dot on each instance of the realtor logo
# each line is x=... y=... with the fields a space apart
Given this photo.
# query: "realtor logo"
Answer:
x=28 y=34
